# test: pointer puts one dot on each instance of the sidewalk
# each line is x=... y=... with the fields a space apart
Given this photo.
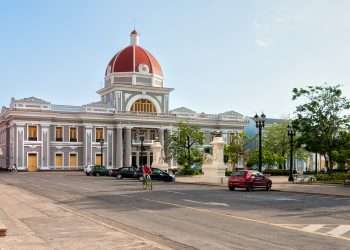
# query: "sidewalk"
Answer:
x=34 y=222
x=279 y=183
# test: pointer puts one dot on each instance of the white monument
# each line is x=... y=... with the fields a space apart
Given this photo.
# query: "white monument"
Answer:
x=213 y=166
x=158 y=159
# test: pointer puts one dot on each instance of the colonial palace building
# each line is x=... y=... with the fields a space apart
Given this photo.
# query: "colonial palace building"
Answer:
x=38 y=135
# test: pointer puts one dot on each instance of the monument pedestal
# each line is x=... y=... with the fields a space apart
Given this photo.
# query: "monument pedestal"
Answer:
x=158 y=161
x=214 y=166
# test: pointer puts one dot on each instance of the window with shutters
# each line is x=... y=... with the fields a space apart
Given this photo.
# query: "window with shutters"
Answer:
x=98 y=159
x=99 y=134
x=32 y=133
x=58 y=160
x=73 y=135
x=59 y=134
x=144 y=106
x=73 y=160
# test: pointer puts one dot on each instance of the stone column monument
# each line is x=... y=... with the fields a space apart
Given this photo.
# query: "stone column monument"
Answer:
x=158 y=160
x=213 y=166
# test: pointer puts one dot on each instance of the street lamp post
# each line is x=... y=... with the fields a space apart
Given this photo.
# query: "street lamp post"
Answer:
x=101 y=143
x=260 y=124
x=316 y=163
x=291 y=134
x=142 y=140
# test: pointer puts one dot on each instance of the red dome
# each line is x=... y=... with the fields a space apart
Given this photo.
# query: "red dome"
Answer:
x=123 y=61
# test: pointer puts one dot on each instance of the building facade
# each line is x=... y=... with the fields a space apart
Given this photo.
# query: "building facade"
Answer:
x=38 y=135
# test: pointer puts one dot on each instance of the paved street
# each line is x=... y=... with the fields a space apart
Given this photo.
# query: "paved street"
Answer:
x=184 y=216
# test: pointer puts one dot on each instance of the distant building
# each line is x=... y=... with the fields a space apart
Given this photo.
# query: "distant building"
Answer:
x=36 y=134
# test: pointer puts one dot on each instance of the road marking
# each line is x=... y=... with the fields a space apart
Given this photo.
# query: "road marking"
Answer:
x=312 y=228
x=175 y=192
x=284 y=226
x=340 y=230
x=209 y=203
x=285 y=199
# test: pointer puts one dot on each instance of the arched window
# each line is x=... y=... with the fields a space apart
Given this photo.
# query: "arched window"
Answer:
x=143 y=105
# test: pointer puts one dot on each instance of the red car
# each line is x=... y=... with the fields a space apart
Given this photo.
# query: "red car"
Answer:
x=249 y=179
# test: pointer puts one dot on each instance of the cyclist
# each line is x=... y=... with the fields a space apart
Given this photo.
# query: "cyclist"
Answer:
x=147 y=181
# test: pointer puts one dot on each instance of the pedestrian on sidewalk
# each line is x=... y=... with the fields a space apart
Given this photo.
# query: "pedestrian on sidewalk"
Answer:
x=13 y=169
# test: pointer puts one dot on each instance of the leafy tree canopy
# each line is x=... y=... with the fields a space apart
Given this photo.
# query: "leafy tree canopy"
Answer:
x=236 y=148
x=321 y=118
x=184 y=144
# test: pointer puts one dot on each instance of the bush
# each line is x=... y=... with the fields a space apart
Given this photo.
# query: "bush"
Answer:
x=309 y=172
x=228 y=172
x=189 y=171
x=334 y=177
x=276 y=172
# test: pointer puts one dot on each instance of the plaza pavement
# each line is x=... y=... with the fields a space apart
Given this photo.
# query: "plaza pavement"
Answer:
x=37 y=223
x=119 y=214
x=279 y=183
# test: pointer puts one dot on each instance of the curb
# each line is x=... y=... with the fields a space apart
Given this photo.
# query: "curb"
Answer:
x=202 y=184
x=275 y=190
x=311 y=193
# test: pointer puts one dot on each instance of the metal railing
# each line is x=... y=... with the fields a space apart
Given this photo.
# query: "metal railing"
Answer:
x=146 y=141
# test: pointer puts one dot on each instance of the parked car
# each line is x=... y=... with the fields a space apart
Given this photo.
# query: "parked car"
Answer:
x=87 y=169
x=113 y=172
x=127 y=172
x=249 y=179
x=98 y=170
x=136 y=173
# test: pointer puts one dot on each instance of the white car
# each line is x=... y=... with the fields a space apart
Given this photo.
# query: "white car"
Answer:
x=87 y=169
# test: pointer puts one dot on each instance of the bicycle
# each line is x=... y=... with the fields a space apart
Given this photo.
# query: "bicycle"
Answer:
x=147 y=182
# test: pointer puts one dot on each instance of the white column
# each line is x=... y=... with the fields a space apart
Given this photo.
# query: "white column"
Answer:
x=45 y=153
x=161 y=136
x=12 y=147
x=127 y=159
x=20 y=162
x=119 y=146
x=109 y=158
x=88 y=146
x=148 y=158
x=137 y=158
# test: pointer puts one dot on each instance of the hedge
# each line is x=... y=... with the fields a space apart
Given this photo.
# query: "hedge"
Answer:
x=276 y=172
x=333 y=177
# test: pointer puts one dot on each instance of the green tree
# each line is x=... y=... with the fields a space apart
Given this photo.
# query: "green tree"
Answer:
x=321 y=118
x=236 y=148
x=184 y=145
x=269 y=158
x=275 y=141
x=341 y=154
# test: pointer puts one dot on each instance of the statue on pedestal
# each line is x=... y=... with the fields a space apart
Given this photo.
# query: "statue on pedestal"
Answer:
x=214 y=166
x=158 y=159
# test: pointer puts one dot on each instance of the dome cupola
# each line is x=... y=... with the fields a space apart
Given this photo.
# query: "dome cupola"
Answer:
x=134 y=65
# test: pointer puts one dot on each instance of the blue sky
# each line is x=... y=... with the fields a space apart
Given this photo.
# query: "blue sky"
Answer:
x=218 y=55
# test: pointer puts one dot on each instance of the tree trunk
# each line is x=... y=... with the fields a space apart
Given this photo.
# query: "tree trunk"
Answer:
x=188 y=152
x=330 y=163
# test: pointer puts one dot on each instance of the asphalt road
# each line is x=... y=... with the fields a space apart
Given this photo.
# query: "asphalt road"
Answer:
x=185 y=216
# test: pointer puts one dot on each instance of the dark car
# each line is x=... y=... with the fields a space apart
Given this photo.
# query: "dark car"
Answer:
x=249 y=179
x=98 y=170
x=126 y=172
x=113 y=172
x=136 y=173
x=160 y=175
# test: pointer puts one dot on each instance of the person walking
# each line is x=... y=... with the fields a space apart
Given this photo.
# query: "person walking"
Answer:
x=13 y=168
